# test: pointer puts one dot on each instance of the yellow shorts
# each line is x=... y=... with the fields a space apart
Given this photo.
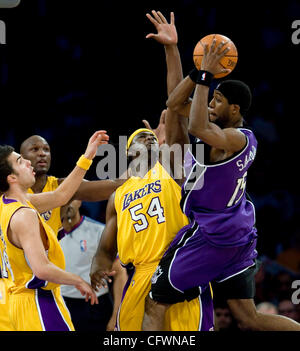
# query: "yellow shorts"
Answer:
x=39 y=310
x=5 y=323
x=183 y=316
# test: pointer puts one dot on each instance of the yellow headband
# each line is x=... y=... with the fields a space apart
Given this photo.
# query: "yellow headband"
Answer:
x=138 y=131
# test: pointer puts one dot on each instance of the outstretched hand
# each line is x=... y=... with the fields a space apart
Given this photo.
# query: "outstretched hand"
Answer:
x=98 y=138
x=166 y=32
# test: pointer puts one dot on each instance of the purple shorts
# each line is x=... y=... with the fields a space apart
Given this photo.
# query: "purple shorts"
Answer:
x=191 y=262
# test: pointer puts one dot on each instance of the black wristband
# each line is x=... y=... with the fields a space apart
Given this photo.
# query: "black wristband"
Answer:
x=204 y=78
x=194 y=74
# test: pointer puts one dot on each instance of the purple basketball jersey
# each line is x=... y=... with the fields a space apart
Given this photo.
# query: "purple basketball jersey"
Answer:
x=214 y=196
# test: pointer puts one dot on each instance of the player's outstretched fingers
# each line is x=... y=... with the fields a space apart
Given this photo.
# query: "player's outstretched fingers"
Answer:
x=157 y=17
x=153 y=20
x=162 y=17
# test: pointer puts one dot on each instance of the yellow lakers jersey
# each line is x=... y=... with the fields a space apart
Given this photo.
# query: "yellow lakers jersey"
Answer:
x=15 y=267
x=52 y=217
x=148 y=216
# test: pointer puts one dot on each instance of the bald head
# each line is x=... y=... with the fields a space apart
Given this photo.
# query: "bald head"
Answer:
x=267 y=307
x=31 y=140
x=37 y=150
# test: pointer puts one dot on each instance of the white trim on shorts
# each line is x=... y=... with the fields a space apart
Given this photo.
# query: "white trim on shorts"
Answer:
x=201 y=310
x=243 y=270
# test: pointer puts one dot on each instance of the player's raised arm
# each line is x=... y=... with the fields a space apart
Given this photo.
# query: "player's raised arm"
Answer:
x=176 y=126
x=167 y=35
x=102 y=263
x=228 y=139
x=48 y=200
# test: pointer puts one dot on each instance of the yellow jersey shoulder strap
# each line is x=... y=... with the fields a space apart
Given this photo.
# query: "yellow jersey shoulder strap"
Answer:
x=8 y=207
x=51 y=184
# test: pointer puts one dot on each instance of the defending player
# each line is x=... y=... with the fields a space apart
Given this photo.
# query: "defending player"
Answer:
x=220 y=243
x=142 y=217
x=32 y=260
x=37 y=150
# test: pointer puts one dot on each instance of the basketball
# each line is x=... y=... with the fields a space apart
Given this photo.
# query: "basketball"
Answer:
x=228 y=61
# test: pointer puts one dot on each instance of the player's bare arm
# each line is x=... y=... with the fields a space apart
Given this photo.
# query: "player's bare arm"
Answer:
x=102 y=263
x=176 y=126
x=27 y=233
x=179 y=100
x=167 y=35
x=120 y=280
x=96 y=190
x=59 y=197
x=228 y=139
x=176 y=136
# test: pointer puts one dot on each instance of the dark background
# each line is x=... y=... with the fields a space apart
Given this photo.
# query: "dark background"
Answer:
x=71 y=67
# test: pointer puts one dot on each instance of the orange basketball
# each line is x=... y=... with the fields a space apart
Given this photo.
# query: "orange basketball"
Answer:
x=228 y=61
